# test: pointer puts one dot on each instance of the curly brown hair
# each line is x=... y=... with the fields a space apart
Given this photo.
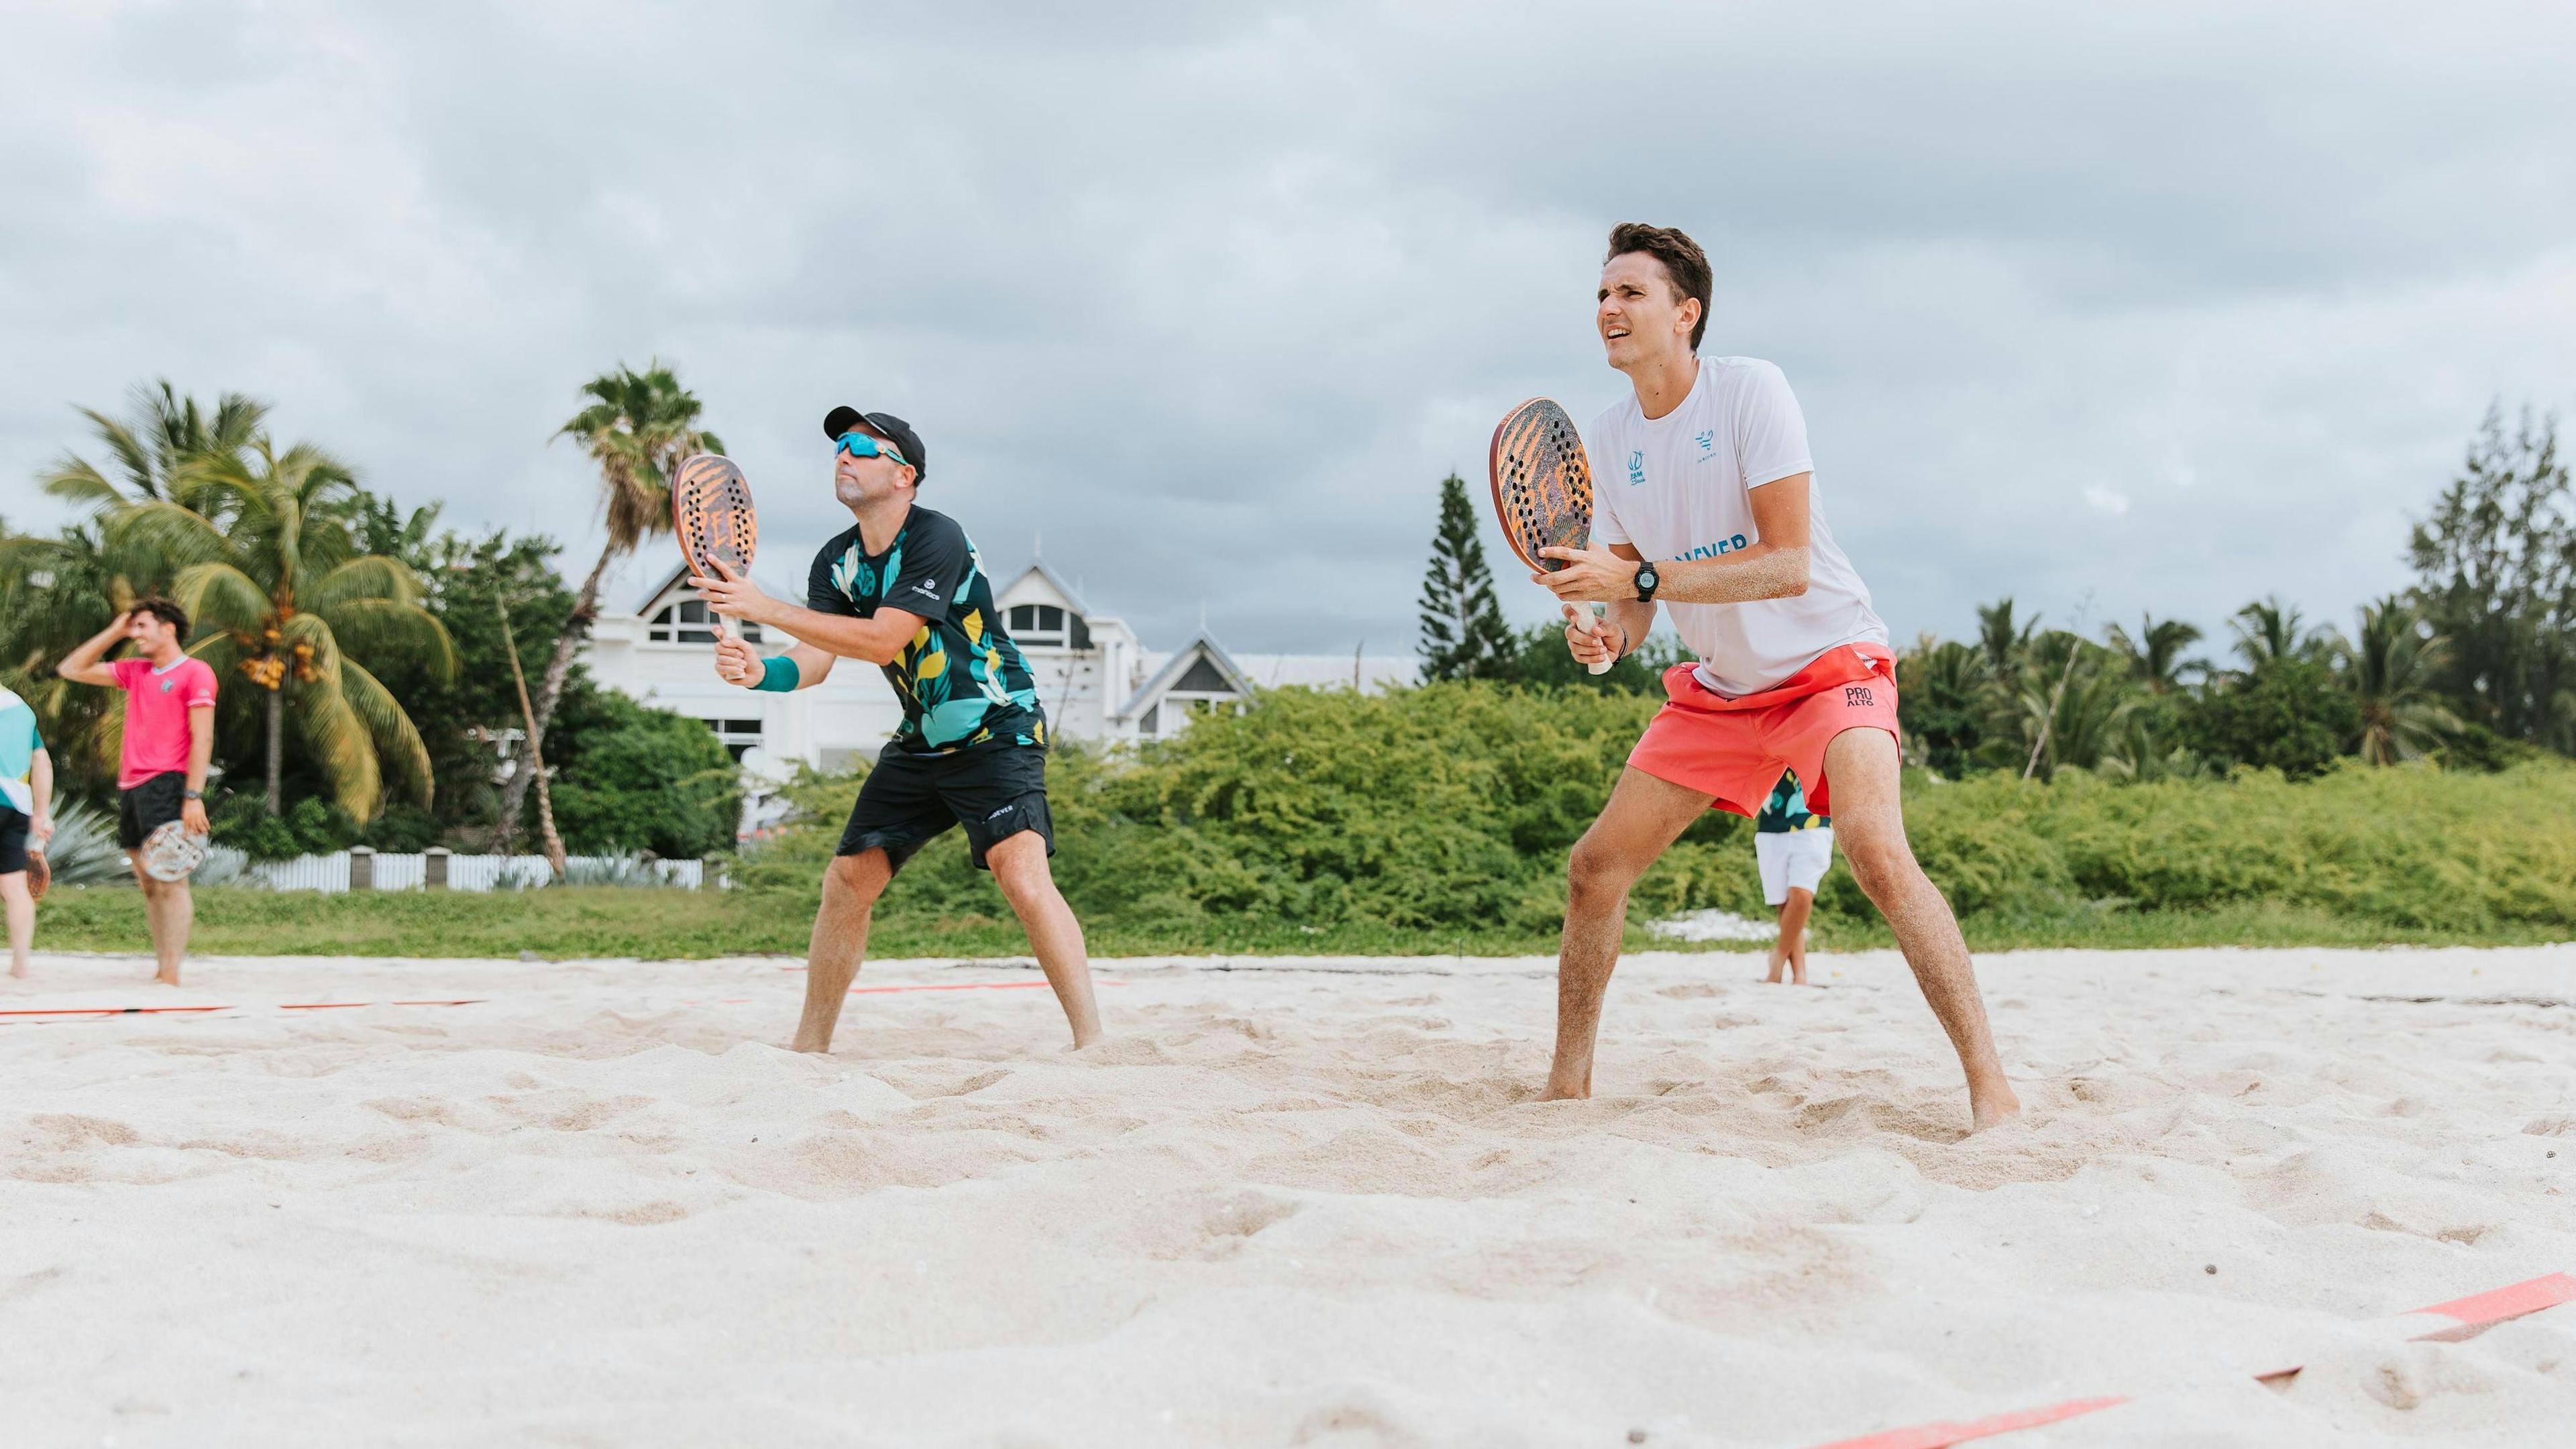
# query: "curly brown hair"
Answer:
x=165 y=609
x=1685 y=265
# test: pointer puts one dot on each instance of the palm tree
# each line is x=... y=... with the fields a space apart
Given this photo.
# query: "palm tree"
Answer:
x=265 y=564
x=2154 y=654
x=2070 y=710
x=54 y=593
x=638 y=428
x=2270 y=629
x=2390 y=667
x=152 y=447
x=2003 y=640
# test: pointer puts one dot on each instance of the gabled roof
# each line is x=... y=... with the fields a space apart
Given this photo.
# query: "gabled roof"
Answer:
x=1204 y=647
x=681 y=571
x=1054 y=581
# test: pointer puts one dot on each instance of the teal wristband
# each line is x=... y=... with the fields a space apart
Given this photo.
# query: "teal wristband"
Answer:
x=779 y=673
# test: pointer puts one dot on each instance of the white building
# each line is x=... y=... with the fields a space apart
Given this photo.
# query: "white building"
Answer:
x=1096 y=680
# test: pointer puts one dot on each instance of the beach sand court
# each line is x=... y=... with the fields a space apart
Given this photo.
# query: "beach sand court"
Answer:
x=1290 y=1203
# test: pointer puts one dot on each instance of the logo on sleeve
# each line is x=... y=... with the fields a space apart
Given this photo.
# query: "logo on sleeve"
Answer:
x=1636 y=468
x=926 y=588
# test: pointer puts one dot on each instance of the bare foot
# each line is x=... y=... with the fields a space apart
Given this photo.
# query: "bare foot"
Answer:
x=1555 y=1093
x=165 y=980
x=1085 y=1043
x=1992 y=1106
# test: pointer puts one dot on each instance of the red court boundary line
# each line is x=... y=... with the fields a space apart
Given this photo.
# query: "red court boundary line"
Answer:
x=2470 y=1316
x=2482 y=1310
x=1940 y=1436
x=281 y=1006
x=964 y=986
x=104 y=1010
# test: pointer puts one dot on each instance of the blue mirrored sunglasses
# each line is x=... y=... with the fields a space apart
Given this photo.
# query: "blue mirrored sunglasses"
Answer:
x=861 y=445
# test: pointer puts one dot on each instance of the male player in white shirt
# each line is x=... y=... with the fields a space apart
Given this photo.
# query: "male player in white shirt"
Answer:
x=1704 y=499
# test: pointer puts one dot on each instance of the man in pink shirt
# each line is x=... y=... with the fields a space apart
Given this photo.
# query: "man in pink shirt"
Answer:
x=169 y=737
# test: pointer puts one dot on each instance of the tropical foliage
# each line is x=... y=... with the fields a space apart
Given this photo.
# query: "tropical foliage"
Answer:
x=638 y=427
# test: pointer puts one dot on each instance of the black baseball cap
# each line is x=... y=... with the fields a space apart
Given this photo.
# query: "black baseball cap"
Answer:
x=845 y=419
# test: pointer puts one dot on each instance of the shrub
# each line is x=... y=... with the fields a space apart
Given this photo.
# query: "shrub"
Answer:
x=1449 y=810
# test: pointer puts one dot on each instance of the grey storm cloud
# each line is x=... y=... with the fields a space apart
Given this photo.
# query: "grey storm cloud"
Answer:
x=2111 y=311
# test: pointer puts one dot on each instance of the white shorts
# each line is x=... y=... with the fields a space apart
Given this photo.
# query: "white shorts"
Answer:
x=1793 y=860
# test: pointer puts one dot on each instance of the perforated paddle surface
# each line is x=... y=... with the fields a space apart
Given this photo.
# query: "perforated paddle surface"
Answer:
x=712 y=514
x=1542 y=482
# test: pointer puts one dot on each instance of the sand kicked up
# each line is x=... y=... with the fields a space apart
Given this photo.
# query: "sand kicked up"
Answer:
x=1292 y=1203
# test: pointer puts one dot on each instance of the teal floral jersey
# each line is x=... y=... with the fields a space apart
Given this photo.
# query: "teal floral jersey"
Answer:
x=964 y=685
x=1787 y=811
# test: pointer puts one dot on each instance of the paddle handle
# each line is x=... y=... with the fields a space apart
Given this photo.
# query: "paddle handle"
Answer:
x=1588 y=616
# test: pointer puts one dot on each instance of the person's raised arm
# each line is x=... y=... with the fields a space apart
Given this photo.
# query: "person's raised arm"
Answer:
x=86 y=665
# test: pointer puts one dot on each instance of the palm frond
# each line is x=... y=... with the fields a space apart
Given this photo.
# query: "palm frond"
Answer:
x=382 y=629
x=368 y=576
x=157 y=538
x=219 y=596
x=397 y=740
x=340 y=743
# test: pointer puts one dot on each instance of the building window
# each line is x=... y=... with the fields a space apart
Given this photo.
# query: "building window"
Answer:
x=739 y=735
x=692 y=622
x=1046 y=624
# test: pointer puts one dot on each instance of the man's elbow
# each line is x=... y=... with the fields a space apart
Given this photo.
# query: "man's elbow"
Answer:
x=1796 y=572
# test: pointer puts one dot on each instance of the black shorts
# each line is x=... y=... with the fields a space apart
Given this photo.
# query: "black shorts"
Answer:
x=13 y=840
x=151 y=804
x=995 y=792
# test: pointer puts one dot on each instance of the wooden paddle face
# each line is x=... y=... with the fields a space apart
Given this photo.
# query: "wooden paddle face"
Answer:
x=40 y=876
x=711 y=512
x=1542 y=482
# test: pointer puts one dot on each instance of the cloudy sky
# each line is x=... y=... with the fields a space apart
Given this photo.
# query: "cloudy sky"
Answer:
x=2162 y=310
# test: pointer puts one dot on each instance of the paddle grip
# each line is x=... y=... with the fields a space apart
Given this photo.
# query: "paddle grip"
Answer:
x=1589 y=617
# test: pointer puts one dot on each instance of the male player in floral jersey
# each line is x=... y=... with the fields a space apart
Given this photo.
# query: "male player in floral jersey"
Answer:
x=905 y=590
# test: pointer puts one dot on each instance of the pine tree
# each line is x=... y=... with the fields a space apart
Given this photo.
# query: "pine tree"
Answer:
x=1462 y=627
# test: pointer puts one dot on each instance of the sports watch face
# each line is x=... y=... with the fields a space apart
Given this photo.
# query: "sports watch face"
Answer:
x=1647 y=581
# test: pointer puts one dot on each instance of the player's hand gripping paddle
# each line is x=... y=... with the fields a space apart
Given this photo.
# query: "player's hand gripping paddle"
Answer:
x=1543 y=493
x=172 y=852
x=712 y=514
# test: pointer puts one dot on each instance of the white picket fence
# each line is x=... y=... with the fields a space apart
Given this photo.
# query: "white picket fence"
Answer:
x=330 y=873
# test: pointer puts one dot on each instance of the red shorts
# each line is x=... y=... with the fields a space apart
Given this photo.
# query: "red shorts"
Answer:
x=1735 y=749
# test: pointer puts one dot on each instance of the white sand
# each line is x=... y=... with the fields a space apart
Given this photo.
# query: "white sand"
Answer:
x=1308 y=1203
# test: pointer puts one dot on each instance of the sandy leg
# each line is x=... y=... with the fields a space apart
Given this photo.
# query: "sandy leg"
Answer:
x=1869 y=825
x=1055 y=935
x=851 y=885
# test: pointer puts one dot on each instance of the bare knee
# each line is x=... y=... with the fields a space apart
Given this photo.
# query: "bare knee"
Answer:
x=1881 y=867
x=853 y=882
x=1596 y=873
x=1019 y=866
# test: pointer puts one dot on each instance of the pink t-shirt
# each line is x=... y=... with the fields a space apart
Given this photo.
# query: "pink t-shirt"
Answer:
x=157 y=702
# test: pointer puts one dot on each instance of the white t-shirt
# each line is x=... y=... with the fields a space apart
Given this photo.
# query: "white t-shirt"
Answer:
x=1680 y=487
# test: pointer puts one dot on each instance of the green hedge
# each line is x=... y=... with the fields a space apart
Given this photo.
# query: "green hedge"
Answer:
x=1449 y=810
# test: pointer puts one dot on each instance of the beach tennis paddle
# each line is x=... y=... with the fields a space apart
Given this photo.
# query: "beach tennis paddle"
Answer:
x=173 y=852
x=40 y=876
x=1543 y=491
x=712 y=514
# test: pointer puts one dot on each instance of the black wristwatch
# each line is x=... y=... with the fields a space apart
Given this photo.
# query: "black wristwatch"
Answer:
x=1647 y=582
